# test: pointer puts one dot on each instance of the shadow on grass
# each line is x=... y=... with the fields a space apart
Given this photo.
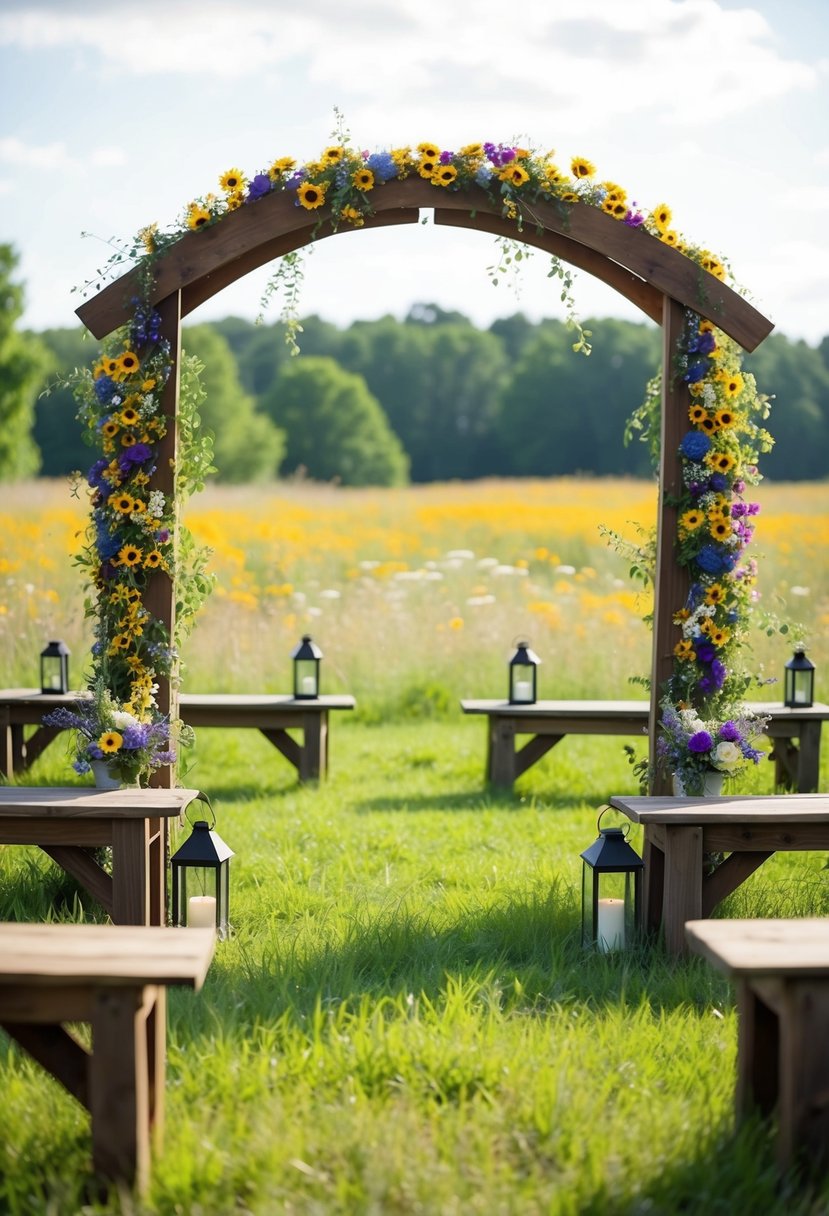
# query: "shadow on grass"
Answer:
x=491 y=798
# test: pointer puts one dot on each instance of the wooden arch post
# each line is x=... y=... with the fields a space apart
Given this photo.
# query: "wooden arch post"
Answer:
x=659 y=280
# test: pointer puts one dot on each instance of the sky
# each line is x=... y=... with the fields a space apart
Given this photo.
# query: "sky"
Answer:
x=114 y=114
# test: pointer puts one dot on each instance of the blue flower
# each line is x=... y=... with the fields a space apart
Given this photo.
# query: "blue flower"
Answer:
x=382 y=166
x=697 y=370
x=259 y=187
x=714 y=560
x=105 y=388
x=695 y=445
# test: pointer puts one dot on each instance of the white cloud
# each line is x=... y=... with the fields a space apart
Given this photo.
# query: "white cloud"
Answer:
x=48 y=156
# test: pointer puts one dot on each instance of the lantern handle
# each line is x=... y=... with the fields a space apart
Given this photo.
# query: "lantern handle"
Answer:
x=201 y=797
x=603 y=811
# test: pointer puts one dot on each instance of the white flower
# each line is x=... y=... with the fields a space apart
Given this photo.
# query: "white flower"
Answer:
x=121 y=719
x=727 y=757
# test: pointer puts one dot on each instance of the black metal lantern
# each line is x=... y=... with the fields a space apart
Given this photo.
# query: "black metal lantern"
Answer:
x=201 y=881
x=306 y=659
x=610 y=891
x=523 y=669
x=800 y=681
x=54 y=668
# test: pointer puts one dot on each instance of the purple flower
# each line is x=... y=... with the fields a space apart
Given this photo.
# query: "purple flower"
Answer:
x=136 y=737
x=634 y=219
x=260 y=186
x=695 y=445
x=445 y=158
x=95 y=476
x=718 y=482
x=700 y=742
x=706 y=652
x=730 y=732
x=162 y=535
x=137 y=453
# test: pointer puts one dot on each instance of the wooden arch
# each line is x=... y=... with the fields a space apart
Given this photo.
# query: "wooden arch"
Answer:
x=655 y=277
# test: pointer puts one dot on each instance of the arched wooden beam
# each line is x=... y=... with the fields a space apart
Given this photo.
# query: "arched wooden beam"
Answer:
x=201 y=263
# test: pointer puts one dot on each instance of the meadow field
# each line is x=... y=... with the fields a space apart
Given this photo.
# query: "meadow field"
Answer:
x=403 y=1022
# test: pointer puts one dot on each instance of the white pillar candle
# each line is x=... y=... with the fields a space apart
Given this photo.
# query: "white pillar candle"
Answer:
x=309 y=684
x=800 y=695
x=522 y=690
x=201 y=912
x=610 y=925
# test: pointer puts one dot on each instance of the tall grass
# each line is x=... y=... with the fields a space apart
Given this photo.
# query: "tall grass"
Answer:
x=403 y=1020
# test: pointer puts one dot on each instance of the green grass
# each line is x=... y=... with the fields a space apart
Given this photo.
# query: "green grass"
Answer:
x=404 y=1021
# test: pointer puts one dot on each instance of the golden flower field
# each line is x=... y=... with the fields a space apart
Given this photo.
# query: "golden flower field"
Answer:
x=413 y=589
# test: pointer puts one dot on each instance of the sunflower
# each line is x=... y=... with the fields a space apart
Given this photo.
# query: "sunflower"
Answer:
x=614 y=192
x=118 y=643
x=708 y=424
x=615 y=207
x=715 y=594
x=427 y=167
x=128 y=417
x=444 y=175
x=720 y=528
x=691 y=520
x=363 y=179
x=662 y=216
x=669 y=236
x=429 y=151
x=122 y=502
x=129 y=555
x=147 y=386
x=112 y=366
x=516 y=175
x=197 y=216
x=684 y=650
x=110 y=741
x=234 y=201
x=128 y=363
x=580 y=167
x=110 y=429
x=721 y=462
x=570 y=196
x=719 y=636
x=333 y=155
x=232 y=181
x=153 y=559
x=473 y=151
x=311 y=196
x=697 y=413
x=725 y=418
x=281 y=167
x=712 y=265
x=128 y=439
x=732 y=385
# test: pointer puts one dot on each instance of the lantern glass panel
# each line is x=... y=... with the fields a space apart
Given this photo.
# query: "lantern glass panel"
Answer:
x=54 y=668
x=799 y=682
x=306 y=677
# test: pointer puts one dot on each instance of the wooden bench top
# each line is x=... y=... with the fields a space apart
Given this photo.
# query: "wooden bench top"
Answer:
x=749 y=808
x=76 y=802
x=115 y=955
x=633 y=711
x=44 y=701
x=763 y=947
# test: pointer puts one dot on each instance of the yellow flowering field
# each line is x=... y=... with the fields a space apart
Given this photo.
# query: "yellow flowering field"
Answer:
x=412 y=588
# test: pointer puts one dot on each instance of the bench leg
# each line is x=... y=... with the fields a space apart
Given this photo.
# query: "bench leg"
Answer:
x=803 y=1119
x=653 y=884
x=808 y=758
x=502 y=753
x=682 y=899
x=120 y=1083
x=134 y=871
x=312 y=756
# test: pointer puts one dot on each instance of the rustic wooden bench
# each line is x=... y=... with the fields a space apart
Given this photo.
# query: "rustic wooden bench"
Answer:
x=274 y=716
x=113 y=978
x=548 y=722
x=781 y=972
x=69 y=822
x=680 y=832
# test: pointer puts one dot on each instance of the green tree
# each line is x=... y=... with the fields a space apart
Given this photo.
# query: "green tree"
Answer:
x=247 y=445
x=57 y=431
x=796 y=377
x=335 y=428
x=22 y=359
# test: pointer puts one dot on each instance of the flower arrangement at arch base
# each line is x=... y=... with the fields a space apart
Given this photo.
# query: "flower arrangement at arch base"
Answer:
x=705 y=724
x=129 y=748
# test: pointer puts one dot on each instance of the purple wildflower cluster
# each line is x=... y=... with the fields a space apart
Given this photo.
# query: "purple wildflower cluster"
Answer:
x=691 y=747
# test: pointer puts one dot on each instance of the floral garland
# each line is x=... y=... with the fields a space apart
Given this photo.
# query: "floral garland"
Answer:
x=132 y=525
x=704 y=722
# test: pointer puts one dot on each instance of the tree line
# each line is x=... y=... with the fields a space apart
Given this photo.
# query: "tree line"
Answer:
x=428 y=398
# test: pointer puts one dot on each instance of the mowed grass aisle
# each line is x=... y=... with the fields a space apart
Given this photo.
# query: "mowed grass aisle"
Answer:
x=404 y=1020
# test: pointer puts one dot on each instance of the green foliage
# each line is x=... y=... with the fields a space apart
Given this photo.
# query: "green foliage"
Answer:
x=335 y=429
x=22 y=359
x=247 y=445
